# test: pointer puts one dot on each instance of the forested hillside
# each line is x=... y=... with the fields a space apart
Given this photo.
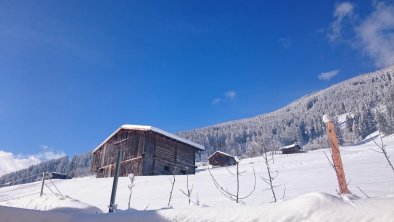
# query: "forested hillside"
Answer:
x=361 y=104
x=78 y=166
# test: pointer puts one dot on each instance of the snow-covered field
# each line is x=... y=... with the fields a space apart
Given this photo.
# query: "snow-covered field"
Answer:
x=306 y=188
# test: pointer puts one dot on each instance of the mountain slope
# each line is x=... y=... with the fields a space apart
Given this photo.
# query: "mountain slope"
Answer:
x=364 y=99
x=365 y=102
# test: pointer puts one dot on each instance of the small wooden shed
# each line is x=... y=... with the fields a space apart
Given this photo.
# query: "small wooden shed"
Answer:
x=222 y=159
x=292 y=148
x=146 y=150
x=56 y=175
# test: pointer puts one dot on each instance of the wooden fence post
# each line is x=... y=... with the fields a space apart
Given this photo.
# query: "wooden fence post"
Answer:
x=335 y=153
x=42 y=183
x=115 y=182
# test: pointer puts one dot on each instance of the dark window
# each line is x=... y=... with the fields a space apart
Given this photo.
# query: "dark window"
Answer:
x=167 y=168
x=183 y=172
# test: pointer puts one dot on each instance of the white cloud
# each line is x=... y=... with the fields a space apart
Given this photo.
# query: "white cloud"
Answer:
x=285 y=42
x=325 y=76
x=216 y=101
x=48 y=153
x=10 y=162
x=373 y=35
x=342 y=11
x=376 y=35
x=230 y=95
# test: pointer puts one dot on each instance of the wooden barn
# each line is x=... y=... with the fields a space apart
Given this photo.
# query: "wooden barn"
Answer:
x=145 y=150
x=221 y=159
x=292 y=148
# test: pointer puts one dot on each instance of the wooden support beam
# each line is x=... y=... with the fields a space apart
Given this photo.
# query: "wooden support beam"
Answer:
x=124 y=161
x=118 y=142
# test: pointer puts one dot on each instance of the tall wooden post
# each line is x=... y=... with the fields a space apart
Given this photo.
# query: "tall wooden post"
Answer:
x=115 y=182
x=336 y=155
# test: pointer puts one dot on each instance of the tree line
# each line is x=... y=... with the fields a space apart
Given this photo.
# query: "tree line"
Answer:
x=77 y=166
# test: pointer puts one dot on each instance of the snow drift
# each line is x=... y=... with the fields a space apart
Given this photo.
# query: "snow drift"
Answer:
x=308 y=207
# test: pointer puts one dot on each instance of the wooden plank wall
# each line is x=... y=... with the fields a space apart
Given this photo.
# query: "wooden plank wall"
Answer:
x=148 y=154
x=144 y=153
x=170 y=153
x=132 y=149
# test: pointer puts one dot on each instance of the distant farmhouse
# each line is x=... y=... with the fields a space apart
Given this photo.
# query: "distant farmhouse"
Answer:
x=221 y=159
x=293 y=148
x=56 y=175
x=146 y=150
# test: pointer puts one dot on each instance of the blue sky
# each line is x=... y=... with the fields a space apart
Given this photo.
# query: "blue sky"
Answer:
x=71 y=72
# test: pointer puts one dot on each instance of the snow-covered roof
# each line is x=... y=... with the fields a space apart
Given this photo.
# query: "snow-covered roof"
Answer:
x=153 y=129
x=288 y=146
x=226 y=154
